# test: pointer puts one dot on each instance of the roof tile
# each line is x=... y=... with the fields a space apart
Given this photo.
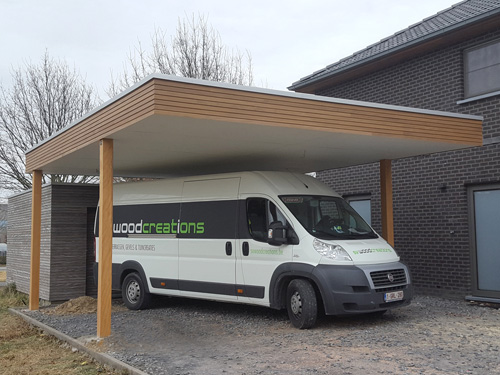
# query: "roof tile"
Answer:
x=453 y=16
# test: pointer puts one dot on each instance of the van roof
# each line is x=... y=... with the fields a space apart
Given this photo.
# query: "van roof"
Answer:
x=255 y=182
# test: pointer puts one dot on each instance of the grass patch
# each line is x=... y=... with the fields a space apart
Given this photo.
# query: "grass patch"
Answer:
x=26 y=350
x=3 y=276
x=10 y=297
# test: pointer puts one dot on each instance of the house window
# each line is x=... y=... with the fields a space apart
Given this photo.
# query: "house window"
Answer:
x=362 y=205
x=482 y=69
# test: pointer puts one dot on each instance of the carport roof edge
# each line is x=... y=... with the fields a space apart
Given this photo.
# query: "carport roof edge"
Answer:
x=251 y=89
x=172 y=100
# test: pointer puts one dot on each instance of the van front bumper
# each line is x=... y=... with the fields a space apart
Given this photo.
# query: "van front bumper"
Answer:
x=348 y=290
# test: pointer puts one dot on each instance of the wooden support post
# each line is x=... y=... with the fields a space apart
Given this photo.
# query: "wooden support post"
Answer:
x=105 y=238
x=36 y=234
x=386 y=201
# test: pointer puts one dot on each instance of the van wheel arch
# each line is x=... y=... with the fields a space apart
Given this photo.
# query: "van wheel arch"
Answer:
x=286 y=273
x=131 y=266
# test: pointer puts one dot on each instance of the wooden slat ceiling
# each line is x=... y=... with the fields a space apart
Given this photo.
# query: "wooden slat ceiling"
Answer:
x=169 y=126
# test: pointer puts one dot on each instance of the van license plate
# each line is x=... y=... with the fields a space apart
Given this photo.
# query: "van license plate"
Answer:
x=393 y=296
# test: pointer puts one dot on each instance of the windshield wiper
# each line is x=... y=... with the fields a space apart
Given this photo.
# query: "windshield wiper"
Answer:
x=345 y=236
x=322 y=232
x=360 y=236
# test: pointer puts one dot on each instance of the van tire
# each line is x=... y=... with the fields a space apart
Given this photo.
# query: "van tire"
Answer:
x=301 y=304
x=134 y=293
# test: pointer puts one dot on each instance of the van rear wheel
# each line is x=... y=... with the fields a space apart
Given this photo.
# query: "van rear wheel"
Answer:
x=134 y=293
x=301 y=304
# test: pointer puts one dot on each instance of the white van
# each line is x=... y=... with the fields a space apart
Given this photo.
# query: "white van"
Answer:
x=276 y=239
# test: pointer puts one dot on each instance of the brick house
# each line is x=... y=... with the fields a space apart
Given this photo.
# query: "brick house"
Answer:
x=446 y=205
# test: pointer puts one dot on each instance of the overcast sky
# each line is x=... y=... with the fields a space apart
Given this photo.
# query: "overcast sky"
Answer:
x=287 y=39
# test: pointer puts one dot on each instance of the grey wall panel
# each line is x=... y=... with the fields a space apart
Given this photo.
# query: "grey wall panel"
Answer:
x=63 y=253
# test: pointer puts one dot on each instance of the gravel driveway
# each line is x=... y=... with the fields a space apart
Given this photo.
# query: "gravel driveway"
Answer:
x=181 y=336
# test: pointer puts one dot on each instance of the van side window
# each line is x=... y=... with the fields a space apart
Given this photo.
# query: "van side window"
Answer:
x=260 y=213
x=256 y=216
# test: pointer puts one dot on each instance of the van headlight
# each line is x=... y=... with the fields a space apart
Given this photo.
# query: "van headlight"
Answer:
x=330 y=251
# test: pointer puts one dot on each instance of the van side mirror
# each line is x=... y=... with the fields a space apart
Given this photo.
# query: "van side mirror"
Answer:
x=276 y=234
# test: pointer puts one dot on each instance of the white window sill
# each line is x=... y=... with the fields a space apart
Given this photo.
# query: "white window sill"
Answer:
x=474 y=98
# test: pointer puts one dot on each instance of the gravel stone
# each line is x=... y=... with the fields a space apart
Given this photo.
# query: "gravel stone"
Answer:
x=185 y=336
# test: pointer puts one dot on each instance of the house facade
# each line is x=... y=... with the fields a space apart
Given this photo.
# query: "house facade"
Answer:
x=446 y=205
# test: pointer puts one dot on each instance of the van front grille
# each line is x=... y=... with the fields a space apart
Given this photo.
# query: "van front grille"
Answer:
x=389 y=278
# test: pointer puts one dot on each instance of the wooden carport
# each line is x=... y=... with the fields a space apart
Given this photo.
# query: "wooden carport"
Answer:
x=166 y=126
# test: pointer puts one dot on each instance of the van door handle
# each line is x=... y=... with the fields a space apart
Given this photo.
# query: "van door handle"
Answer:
x=229 y=248
x=246 y=249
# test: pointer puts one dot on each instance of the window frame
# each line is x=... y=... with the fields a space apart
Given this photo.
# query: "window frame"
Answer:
x=484 y=93
x=267 y=203
x=476 y=292
x=361 y=197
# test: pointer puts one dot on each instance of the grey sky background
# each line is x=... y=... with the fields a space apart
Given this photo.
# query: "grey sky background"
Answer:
x=287 y=39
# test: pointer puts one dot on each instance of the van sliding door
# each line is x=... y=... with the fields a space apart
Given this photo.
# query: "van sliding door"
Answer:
x=207 y=238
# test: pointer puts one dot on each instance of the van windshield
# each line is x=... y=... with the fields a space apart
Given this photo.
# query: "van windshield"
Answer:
x=328 y=217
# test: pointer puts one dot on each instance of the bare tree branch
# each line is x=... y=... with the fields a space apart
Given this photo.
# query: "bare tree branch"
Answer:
x=43 y=99
x=195 y=50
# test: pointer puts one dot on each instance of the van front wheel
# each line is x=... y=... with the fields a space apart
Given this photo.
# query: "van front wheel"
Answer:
x=134 y=293
x=301 y=304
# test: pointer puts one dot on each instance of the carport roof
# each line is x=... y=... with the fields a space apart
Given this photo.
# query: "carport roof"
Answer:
x=166 y=125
